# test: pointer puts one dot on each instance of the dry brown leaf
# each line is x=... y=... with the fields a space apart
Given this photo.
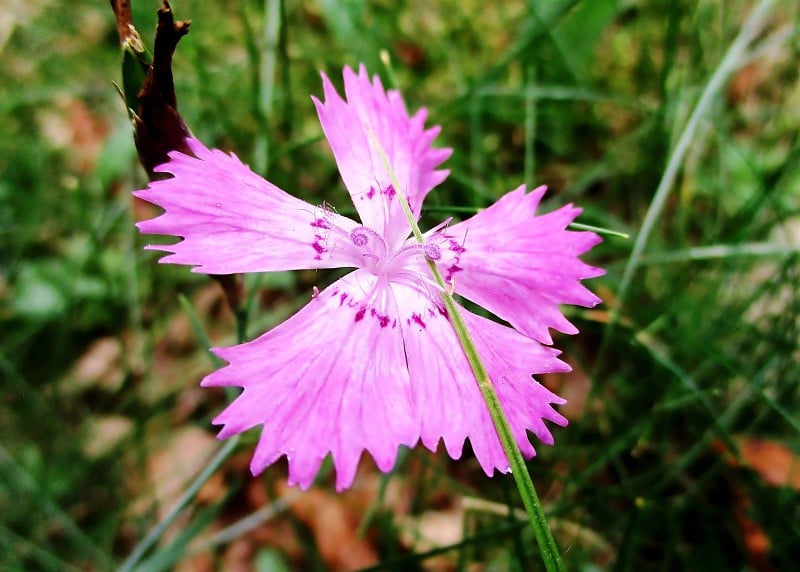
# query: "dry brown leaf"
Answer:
x=431 y=530
x=411 y=54
x=183 y=456
x=200 y=562
x=209 y=303
x=744 y=82
x=169 y=375
x=71 y=126
x=333 y=519
x=100 y=366
x=174 y=461
x=238 y=557
x=775 y=463
x=573 y=386
x=104 y=433
x=281 y=534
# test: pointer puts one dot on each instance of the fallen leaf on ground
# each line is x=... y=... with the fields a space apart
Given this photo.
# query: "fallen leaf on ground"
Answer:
x=105 y=433
x=333 y=520
x=100 y=366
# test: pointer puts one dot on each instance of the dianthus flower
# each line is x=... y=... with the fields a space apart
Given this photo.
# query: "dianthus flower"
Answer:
x=372 y=361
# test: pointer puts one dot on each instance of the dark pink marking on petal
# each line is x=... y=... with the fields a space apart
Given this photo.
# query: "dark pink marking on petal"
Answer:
x=382 y=319
x=320 y=250
x=321 y=223
x=456 y=247
x=417 y=319
x=318 y=247
x=360 y=314
x=371 y=192
x=452 y=270
x=389 y=191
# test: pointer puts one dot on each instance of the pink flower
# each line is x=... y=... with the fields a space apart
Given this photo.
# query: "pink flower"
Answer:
x=372 y=362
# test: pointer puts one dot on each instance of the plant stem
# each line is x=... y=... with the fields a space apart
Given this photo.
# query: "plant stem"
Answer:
x=547 y=545
x=734 y=58
x=225 y=451
x=156 y=533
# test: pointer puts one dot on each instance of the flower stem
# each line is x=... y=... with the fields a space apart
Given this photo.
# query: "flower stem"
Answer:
x=547 y=545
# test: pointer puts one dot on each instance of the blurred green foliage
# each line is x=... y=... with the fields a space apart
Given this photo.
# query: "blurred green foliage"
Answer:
x=586 y=96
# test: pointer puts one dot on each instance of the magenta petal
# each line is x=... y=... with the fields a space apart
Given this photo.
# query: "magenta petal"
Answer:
x=451 y=407
x=373 y=362
x=510 y=359
x=331 y=379
x=519 y=265
x=232 y=220
x=405 y=140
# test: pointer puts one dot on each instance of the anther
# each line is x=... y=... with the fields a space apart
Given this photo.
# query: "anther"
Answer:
x=432 y=252
x=359 y=236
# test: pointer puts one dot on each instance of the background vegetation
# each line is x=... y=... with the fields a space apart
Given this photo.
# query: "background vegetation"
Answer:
x=682 y=447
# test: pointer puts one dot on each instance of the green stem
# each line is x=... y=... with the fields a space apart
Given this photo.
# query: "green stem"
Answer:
x=156 y=533
x=734 y=58
x=547 y=545
x=225 y=451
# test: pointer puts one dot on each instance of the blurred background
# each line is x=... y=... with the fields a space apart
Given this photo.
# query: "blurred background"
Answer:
x=682 y=449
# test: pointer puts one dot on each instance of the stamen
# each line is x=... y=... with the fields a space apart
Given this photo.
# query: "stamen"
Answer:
x=362 y=235
x=439 y=226
x=418 y=281
x=432 y=251
x=370 y=251
x=359 y=236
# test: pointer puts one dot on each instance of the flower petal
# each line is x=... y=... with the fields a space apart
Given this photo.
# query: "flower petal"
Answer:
x=234 y=221
x=449 y=401
x=332 y=378
x=518 y=265
x=347 y=126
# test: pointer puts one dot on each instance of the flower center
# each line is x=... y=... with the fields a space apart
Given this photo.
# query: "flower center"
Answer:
x=371 y=249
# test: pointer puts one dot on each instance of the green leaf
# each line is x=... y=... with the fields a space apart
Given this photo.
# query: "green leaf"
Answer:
x=579 y=31
x=37 y=295
x=136 y=61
